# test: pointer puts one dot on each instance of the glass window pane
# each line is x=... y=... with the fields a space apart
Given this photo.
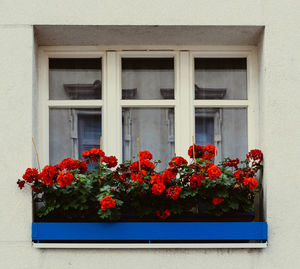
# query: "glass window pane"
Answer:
x=72 y=131
x=148 y=78
x=226 y=127
x=221 y=78
x=155 y=129
x=75 y=79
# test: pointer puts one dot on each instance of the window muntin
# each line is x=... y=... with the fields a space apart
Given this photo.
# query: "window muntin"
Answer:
x=75 y=78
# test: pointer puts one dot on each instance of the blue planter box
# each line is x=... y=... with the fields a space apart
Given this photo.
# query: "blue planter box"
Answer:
x=164 y=231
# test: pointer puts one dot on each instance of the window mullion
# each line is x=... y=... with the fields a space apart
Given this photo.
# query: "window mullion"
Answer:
x=112 y=120
x=184 y=126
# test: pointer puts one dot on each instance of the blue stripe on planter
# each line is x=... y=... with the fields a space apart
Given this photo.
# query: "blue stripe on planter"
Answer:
x=150 y=231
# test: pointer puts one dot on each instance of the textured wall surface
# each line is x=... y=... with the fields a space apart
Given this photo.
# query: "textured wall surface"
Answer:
x=279 y=63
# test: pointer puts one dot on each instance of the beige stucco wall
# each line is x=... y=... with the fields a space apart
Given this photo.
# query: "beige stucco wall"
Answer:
x=279 y=61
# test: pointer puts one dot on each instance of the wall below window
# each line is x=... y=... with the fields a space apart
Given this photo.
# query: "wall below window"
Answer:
x=279 y=65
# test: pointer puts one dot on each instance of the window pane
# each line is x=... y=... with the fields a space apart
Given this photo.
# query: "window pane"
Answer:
x=221 y=78
x=75 y=79
x=155 y=129
x=72 y=131
x=226 y=127
x=147 y=78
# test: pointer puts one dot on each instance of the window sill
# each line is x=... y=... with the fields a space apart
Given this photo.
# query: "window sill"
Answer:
x=154 y=245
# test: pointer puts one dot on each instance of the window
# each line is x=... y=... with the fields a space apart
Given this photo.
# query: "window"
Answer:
x=163 y=97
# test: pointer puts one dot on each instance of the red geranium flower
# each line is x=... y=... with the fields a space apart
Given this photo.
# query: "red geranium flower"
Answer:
x=196 y=180
x=240 y=175
x=173 y=192
x=48 y=174
x=163 y=215
x=209 y=152
x=34 y=189
x=199 y=151
x=21 y=183
x=107 y=202
x=93 y=155
x=213 y=172
x=111 y=161
x=139 y=176
x=65 y=179
x=177 y=161
x=168 y=175
x=232 y=163
x=145 y=165
x=70 y=164
x=158 y=188
x=31 y=175
x=157 y=178
x=145 y=155
x=217 y=200
x=250 y=182
x=255 y=155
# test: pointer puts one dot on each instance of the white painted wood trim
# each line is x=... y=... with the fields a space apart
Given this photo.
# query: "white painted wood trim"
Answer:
x=152 y=245
x=184 y=111
x=253 y=99
x=112 y=113
x=43 y=115
x=75 y=103
x=135 y=48
x=147 y=103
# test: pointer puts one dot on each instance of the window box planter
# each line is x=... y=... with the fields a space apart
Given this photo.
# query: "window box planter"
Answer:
x=149 y=232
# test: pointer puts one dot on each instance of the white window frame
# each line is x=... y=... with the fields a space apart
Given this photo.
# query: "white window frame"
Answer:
x=111 y=103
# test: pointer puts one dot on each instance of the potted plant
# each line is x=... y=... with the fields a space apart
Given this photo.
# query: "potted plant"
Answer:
x=133 y=191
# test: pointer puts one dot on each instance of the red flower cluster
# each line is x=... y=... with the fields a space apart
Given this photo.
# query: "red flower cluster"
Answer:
x=168 y=175
x=70 y=164
x=177 y=161
x=250 y=182
x=209 y=152
x=110 y=161
x=158 y=186
x=107 y=202
x=240 y=175
x=93 y=155
x=139 y=176
x=163 y=215
x=213 y=172
x=145 y=155
x=217 y=200
x=255 y=155
x=199 y=151
x=173 y=192
x=145 y=165
x=65 y=179
x=232 y=163
x=31 y=175
x=21 y=183
x=48 y=174
x=196 y=180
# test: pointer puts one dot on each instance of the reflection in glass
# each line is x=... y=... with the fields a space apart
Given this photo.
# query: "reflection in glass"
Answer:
x=72 y=131
x=224 y=127
x=147 y=78
x=75 y=79
x=221 y=78
x=155 y=129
